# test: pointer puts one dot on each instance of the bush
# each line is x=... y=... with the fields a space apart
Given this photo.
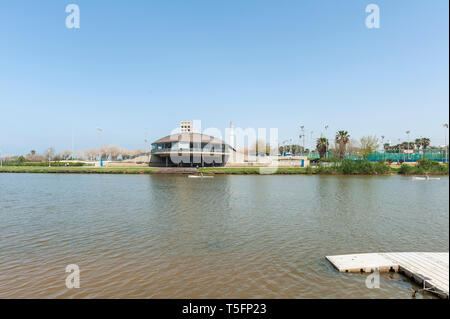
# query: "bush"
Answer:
x=435 y=164
x=405 y=169
x=381 y=168
x=363 y=167
x=424 y=167
x=332 y=159
x=424 y=163
x=325 y=170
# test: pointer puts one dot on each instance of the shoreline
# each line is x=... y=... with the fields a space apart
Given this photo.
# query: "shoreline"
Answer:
x=207 y=171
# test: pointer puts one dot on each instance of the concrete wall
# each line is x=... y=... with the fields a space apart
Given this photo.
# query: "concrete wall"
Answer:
x=280 y=161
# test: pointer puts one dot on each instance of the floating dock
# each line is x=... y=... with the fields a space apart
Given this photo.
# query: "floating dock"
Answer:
x=431 y=270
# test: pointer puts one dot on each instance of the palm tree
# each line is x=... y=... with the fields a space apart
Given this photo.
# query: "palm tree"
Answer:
x=322 y=146
x=425 y=142
x=418 y=143
x=342 y=139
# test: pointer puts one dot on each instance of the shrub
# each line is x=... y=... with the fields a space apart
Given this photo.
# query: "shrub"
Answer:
x=435 y=163
x=381 y=168
x=424 y=163
x=362 y=167
x=405 y=169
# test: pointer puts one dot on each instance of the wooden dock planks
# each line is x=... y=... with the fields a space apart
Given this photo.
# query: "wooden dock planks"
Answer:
x=428 y=269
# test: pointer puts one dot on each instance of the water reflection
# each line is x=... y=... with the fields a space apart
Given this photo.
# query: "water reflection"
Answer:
x=231 y=236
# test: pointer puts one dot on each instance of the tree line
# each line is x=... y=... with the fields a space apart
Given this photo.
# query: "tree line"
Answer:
x=106 y=152
x=343 y=145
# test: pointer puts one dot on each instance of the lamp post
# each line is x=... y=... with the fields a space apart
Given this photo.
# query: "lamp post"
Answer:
x=73 y=143
x=99 y=130
x=382 y=145
x=399 y=147
x=407 y=134
x=303 y=135
x=421 y=144
x=445 y=142
x=148 y=149
x=326 y=144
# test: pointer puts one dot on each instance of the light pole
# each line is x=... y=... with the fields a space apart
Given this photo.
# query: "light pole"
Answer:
x=421 y=144
x=73 y=149
x=326 y=144
x=1 y=159
x=49 y=156
x=148 y=149
x=99 y=130
x=407 y=134
x=445 y=142
x=290 y=146
x=382 y=145
x=399 y=147
x=303 y=135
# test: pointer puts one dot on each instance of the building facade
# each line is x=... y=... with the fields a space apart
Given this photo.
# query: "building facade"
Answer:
x=188 y=149
x=186 y=127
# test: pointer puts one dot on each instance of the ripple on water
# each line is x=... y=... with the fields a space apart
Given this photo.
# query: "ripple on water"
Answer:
x=230 y=237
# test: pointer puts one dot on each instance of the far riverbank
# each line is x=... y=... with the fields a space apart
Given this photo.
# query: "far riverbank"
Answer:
x=220 y=171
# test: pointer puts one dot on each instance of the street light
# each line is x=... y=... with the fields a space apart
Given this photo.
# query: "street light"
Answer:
x=382 y=145
x=407 y=133
x=399 y=147
x=303 y=135
x=146 y=141
x=445 y=142
x=99 y=130
x=326 y=144
x=73 y=143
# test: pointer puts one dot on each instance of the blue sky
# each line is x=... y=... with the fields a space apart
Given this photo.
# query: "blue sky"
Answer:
x=136 y=68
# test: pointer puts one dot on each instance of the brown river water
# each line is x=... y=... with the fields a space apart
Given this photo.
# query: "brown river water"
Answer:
x=142 y=236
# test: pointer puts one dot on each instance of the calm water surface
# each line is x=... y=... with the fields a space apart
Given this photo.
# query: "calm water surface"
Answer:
x=141 y=236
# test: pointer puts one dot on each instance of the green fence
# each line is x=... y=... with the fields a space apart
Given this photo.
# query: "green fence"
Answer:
x=432 y=155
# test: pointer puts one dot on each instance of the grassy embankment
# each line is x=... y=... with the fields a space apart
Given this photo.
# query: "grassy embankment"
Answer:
x=77 y=170
x=252 y=170
x=45 y=164
x=346 y=167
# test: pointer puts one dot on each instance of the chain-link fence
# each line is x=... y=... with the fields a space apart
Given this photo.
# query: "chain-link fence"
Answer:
x=432 y=155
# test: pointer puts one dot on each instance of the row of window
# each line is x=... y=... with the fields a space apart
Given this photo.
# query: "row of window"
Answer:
x=179 y=146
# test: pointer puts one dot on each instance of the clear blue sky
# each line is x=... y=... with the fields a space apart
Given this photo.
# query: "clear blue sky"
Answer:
x=141 y=66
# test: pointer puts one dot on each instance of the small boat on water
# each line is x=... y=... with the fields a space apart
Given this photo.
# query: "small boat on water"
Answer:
x=425 y=178
x=200 y=176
